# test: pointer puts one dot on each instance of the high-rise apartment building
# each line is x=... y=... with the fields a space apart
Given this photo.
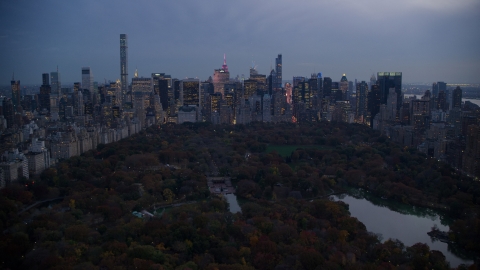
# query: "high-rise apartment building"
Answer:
x=278 y=73
x=124 y=63
x=343 y=87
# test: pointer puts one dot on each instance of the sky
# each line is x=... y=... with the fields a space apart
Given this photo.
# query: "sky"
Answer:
x=427 y=40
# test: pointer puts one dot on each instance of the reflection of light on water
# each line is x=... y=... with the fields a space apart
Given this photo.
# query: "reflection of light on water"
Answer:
x=410 y=225
x=232 y=201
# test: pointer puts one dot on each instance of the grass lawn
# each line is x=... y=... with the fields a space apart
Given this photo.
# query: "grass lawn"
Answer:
x=287 y=150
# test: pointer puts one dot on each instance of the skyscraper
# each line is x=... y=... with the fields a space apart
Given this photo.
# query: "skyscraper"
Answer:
x=437 y=87
x=278 y=73
x=124 y=63
x=44 y=95
x=457 y=98
x=387 y=80
x=55 y=83
x=327 y=86
x=15 y=93
x=190 y=89
x=343 y=86
x=87 y=79
x=362 y=101
x=220 y=77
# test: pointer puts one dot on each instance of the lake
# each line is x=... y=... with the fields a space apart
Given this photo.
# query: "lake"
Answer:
x=232 y=202
x=406 y=223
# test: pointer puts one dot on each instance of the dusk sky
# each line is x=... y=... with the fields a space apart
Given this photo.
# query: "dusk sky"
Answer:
x=427 y=40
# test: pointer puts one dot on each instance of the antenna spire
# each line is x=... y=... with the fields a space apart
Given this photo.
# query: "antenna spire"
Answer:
x=224 y=66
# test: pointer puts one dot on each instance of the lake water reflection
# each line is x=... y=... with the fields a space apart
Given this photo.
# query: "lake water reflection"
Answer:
x=232 y=201
x=409 y=225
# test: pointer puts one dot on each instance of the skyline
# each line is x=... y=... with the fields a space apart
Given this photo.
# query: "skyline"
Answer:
x=189 y=39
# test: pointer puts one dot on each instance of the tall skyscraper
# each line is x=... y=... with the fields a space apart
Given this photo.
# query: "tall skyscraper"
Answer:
x=362 y=101
x=327 y=86
x=124 y=63
x=278 y=73
x=437 y=87
x=44 y=96
x=343 y=86
x=45 y=79
x=387 y=80
x=457 y=98
x=55 y=83
x=16 y=96
x=87 y=79
x=190 y=89
x=220 y=77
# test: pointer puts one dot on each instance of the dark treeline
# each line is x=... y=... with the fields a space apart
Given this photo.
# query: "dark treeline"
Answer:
x=93 y=227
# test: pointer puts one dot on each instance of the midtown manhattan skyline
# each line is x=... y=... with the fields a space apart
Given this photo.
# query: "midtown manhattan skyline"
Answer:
x=427 y=40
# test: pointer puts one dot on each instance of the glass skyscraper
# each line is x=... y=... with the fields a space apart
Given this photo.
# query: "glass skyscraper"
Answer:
x=124 y=63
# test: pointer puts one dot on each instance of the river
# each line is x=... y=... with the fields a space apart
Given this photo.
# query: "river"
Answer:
x=406 y=223
x=474 y=101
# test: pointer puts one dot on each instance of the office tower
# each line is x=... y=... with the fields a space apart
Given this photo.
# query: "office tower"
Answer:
x=336 y=94
x=387 y=80
x=420 y=114
x=15 y=86
x=160 y=88
x=220 y=77
x=212 y=108
x=278 y=73
x=297 y=89
x=87 y=80
x=343 y=87
x=8 y=111
x=249 y=88
x=124 y=63
x=457 y=98
x=442 y=103
x=44 y=96
x=190 y=89
x=259 y=78
x=362 y=101
x=55 y=83
x=327 y=87
x=319 y=86
x=45 y=79
x=143 y=85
